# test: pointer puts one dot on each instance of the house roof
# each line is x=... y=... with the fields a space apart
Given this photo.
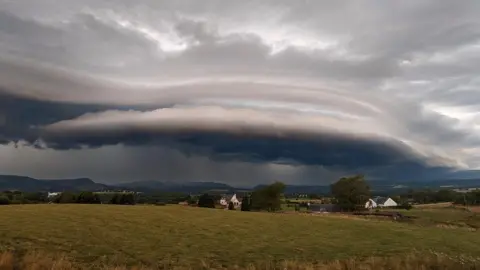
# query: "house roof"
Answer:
x=380 y=200
x=228 y=197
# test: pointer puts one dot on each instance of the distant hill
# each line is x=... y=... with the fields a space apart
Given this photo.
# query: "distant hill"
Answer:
x=189 y=187
x=303 y=189
x=23 y=183
x=28 y=184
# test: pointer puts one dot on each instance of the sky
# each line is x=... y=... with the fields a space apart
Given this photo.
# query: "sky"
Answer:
x=240 y=92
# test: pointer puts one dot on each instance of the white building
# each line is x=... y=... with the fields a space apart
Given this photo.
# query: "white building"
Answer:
x=225 y=200
x=53 y=194
x=370 y=204
x=380 y=202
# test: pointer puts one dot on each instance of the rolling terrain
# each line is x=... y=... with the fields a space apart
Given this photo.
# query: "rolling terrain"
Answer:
x=28 y=184
x=187 y=236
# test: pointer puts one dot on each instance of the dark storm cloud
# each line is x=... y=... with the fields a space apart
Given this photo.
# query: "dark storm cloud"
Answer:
x=20 y=118
x=323 y=149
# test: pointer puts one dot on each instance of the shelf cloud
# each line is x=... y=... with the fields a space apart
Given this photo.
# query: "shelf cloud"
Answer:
x=303 y=90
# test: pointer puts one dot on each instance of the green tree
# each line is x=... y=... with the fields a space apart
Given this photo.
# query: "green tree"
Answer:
x=88 y=198
x=4 y=200
x=206 y=201
x=9 y=195
x=35 y=197
x=246 y=203
x=268 y=198
x=123 y=199
x=350 y=192
x=191 y=200
x=231 y=206
x=115 y=199
x=65 y=197
x=445 y=195
x=127 y=198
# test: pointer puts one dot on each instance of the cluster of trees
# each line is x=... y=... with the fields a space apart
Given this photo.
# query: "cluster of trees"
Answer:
x=351 y=193
x=268 y=198
x=82 y=197
x=123 y=198
x=206 y=201
x=88 y=197
x=470 y=198
x=164 y=197
x=439 y=196
x=429 y=196
x=18 y=197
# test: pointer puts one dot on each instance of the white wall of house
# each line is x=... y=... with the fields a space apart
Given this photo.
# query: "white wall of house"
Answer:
x=389 y=203
x=53 y=194
x=370 y=204
x=234 y=200
x=223 y=202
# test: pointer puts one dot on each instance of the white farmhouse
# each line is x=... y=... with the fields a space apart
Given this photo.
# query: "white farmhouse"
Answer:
x=370 y=204
x=380 y=202
x=53 y=194
x=225 y=200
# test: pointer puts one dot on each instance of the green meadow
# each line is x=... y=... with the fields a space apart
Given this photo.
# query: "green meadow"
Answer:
x=188 y=236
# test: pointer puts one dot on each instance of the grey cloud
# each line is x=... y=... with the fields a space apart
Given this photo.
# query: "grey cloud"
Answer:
x=241 y=134
x=152 y=163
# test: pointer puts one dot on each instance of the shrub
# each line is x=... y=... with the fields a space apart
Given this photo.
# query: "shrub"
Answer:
x=88 y=198
x=115 y=199
x=206 y=201
x=246 y=203
x=128 y=199
x=406 y=206
x=231 y=206
x=268 y=198
x=65 y=197
x=4 y=200
x=191 y=200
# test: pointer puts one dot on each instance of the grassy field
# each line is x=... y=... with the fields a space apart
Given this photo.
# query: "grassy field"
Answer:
x=444 y=216
x=186 y=236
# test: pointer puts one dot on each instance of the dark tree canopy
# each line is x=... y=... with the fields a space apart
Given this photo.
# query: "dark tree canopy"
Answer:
x=123 y=198
x=65 y=197
x=88 y=198
x=268 y=198
x=350 y=192
x=4 y=200
x=246 y=203
x=206 y=201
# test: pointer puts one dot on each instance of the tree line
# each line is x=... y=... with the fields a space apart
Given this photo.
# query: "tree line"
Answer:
x=268 y=198
x=348 y=193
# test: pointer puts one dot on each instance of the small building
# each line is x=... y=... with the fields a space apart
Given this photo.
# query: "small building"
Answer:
x=53 y=194
x=226 y=199
x=323 y=208
x=380 y=202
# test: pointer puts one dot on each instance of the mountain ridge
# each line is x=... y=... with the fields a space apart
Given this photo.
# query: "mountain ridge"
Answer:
x=30 y=184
